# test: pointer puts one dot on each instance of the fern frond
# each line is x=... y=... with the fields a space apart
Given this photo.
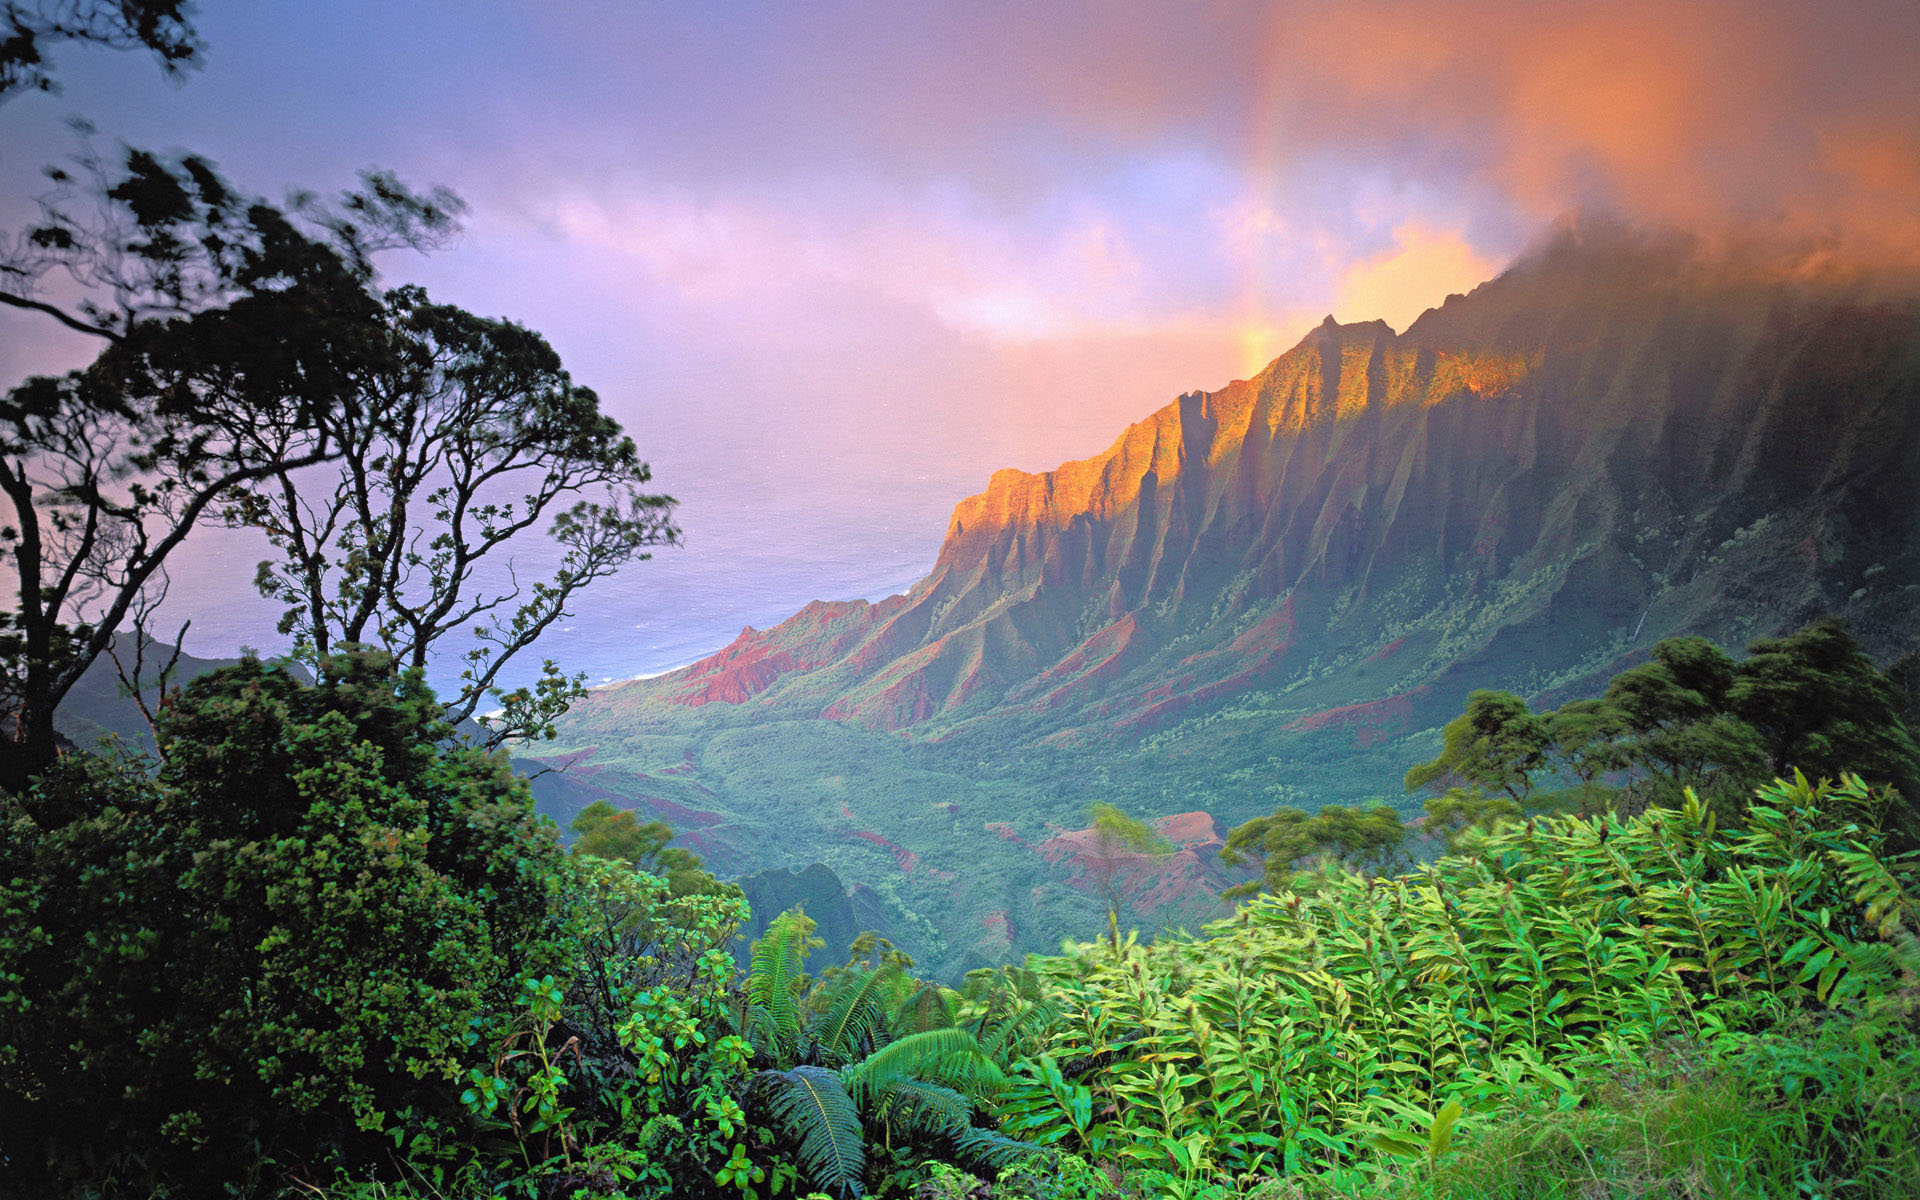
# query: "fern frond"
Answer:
x=925 y=1009
x=811 y=1106
x=1029 y=1020
x=762 y=1033
x=936 y=1055
x=855 y=1019
x=991 y=1151
x=772 y=970
x=913 y=1106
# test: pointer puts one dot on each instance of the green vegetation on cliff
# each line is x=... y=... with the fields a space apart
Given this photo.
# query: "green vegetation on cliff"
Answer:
x=1276 y=594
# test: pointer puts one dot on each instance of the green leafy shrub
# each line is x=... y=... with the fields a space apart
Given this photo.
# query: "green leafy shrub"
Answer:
x=1375 y=1021
x=876 y=1058
x=1053 y=1177
x=258 y=962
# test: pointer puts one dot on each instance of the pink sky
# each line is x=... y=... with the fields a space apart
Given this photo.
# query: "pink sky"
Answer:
x=833 y=264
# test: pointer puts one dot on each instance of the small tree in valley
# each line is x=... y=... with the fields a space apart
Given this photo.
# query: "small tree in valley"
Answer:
x=1119 y=845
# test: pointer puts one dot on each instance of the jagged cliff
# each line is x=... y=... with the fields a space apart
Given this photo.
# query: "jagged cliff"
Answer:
x=1604 y=446
x=1276 y=592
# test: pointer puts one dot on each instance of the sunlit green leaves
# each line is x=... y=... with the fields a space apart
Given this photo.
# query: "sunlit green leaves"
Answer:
x=1382 y=1015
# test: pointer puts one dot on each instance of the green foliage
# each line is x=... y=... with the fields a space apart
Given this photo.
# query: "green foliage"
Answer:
x=1117 y=840
x=1822 y=1108
x=1458 y=815
x=1377 y=1021
x=812 y=1105
x=604 y=831
x=278 y=948
x=1053 y=1177
x=1495 y=745
x=1823 y=707
x=1678 y=728
x=1689 y=717
x=1118 y=833
x=871 y=1057
x=1290 y=839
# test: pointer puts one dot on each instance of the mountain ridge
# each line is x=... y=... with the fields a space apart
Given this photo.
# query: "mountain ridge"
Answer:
x=1318 y=471
x=1277 y=591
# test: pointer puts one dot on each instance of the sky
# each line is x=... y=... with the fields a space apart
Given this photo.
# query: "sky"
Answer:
x=832 y=264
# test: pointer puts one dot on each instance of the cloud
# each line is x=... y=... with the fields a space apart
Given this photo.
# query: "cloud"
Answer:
x=1786 y=121
x=1423 y=268
x=1067 y=269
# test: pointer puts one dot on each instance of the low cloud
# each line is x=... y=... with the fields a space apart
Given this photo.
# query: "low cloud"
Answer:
x=1423 y=267
x=1788 y=122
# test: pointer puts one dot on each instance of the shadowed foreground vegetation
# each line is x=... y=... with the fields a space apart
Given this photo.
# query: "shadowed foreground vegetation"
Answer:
x=323 y=951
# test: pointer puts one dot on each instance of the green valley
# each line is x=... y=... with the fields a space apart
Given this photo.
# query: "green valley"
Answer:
x=1278 y=592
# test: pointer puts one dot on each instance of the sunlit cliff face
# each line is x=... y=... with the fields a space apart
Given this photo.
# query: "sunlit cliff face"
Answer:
x=859 y=257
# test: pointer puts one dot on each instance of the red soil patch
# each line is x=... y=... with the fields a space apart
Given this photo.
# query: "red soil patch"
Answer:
x=1371 y=721
x=1149 y=882
x=679 y=815
x=1387 y=651
x=906 y=858
x=1006 y=831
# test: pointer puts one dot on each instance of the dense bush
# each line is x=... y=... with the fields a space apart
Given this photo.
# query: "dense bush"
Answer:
x=1339 y=1032
x=253 y=963
x=322 y=950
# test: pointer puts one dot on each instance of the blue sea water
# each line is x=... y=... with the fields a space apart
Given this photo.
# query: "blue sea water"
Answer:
x=750 y=556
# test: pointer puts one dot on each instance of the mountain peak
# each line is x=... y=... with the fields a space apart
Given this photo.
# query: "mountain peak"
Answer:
x=1295 y=579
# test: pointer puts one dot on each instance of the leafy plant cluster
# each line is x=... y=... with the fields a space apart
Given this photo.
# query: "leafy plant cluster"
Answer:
x=283 y=944
x=323 y=948
x=1690 y=717
x=1476 y=1026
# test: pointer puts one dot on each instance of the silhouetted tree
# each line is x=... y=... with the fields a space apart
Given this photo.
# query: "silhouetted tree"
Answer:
x=231 y=329
x=28 y=30
x=387 y=447
x=467 y=435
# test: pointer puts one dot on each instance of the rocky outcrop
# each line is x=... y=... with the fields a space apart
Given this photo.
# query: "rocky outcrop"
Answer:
x=1186 y=880
x=1606 y=445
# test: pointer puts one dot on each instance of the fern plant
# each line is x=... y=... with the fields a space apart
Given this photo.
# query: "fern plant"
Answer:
x=873 y=1057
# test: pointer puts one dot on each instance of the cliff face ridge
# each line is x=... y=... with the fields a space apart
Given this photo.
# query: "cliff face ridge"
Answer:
x=1601 y=447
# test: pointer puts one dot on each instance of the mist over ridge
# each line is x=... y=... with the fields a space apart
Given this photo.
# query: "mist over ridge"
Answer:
x=1280 y=589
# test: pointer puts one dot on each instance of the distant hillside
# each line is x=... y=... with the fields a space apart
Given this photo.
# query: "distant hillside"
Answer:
x=99 y=705
x=1276 y=591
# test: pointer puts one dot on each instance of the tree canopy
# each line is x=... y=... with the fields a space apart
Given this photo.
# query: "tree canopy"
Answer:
x=1689 y=716
x=1118 y=839
x=29 y=30
x=392 y=450
x=277 y=942
x=603 y=831
x=1367 y=838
